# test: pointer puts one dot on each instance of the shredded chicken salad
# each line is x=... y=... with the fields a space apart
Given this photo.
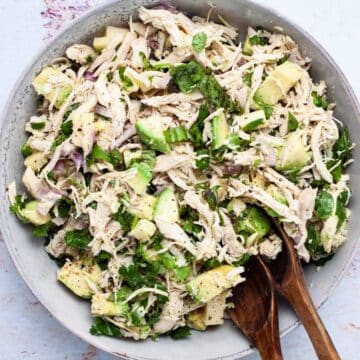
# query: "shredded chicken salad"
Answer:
x=157 y=157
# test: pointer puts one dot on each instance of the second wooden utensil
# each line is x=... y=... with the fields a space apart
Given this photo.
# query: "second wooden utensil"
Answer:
x=255 y=309
x=289 y=281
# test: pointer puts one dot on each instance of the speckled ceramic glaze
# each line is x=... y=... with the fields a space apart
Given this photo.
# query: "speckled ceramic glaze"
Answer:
x=39 y=272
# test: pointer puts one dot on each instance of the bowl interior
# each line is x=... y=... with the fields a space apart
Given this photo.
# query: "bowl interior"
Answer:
x=40 y=272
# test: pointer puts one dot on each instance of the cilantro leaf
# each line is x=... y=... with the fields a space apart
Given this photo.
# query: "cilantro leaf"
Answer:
x=126 y=81
x=247 y=79
x=66 y=130
x=64 y=207
x=26 y=150
x=336 y=168
x=199 y=42
x=202 y=161
x=342 y=146
x=16 y=208
x=125 y=219
x=191 y=76
x=42 y=230
x=180 y=333
x=268 y=109
x=197 y=128
x=98 y=154
x=293 y=124
x=319 y=101
x=187 y=76
x=340 y=211
x=211 y=263
x=71 y=108
x=37 y=125
x=134 y=277
x=78 y=238
x=211 y=198
x=324 y=205
x=259 y=40
x=102 y=259
x=103 y=327
x=314 y=245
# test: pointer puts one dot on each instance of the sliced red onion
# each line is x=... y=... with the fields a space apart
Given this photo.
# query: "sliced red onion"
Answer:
x=231 y=169
x=89 y=75
x=59 y=167
x=153 y=42
x=78 y=159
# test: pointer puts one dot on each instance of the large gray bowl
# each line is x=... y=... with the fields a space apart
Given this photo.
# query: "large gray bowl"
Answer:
x=38 y=270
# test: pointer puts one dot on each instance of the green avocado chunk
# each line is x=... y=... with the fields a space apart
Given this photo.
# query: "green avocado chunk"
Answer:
x=166 y=208
x=151 y=132
x=278 y=83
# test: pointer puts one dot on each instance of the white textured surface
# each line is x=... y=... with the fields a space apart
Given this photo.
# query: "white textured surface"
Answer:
x=27 y=330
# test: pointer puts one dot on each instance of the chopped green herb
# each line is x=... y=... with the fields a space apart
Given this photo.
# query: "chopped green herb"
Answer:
x=26 y=150
x=125 y=219
x=64 y=207
x=102 y=259
x=192 y=76
x=37 y=125
x=342 y=146
x=42 y=230
x=244 y=259
x=313 y=242
x=202 y=161
x=197 y=128
x=180 y=333
x=292 y=122
x=40 y=101
x=116 y=157
x=259 y=40
x=324 y=205
x=67 y=128
x=103 y=327
x=319 y=101
x=247 y=79
x=268 y=110
x=283 y=59
x=16 y=208
x=127 y=82
x=211 y=263
x=199 y=42
x=211 y=198
x=340 y=211
x=78 y=238
x=98 y=154
x=191 y=228
x=89 y=59
x=72 y=107
x=336 y=169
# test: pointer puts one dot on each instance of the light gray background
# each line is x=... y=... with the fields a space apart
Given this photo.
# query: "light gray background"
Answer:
x=27 y=330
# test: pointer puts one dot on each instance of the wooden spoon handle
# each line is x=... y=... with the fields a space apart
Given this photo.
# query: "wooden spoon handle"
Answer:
x=300 y=299
x=268 y=343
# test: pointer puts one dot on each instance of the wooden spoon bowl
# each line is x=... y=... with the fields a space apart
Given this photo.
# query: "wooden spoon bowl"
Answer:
x=255 y=309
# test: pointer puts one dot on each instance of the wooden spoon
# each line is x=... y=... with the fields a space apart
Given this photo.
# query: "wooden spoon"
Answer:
x=255 y=309
x=290 y=283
